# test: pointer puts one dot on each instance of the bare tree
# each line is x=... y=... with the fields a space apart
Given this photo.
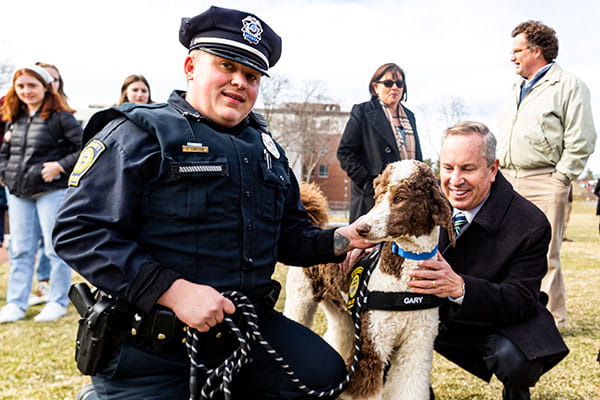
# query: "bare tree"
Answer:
x=272 y=91
x=315 y=141
x=431 y=124
x=6 y=70
x=304 y=128
x=301 y=126
x=424 y=129
x=453 y=111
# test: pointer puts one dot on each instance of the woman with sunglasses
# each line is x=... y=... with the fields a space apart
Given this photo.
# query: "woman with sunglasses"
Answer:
x=379 y=132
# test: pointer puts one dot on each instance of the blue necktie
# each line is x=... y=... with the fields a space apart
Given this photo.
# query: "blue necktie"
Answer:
x=459 y=222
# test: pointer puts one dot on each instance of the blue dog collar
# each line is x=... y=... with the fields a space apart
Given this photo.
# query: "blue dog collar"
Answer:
x=413 y=256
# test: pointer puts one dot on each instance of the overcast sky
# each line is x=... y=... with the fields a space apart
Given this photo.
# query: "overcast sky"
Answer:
x=448 y=49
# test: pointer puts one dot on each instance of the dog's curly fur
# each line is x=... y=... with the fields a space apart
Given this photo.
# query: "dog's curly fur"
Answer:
x=409 y=209
x=325 y=280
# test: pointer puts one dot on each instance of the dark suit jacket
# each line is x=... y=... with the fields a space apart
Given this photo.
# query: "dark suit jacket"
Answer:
x=366 y=147
x=501 y=255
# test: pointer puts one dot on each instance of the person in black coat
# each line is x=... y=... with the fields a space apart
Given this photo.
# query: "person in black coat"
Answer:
x=39 y=150
x=597 y=193
x=3 y=199
x=378 y=132
x=494 y=321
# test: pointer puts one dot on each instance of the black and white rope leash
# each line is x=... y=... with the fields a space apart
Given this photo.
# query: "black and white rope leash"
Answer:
x=220 y=378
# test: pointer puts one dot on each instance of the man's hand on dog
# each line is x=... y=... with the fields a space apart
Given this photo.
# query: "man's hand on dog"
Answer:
x=351 y=259
x=438 y=278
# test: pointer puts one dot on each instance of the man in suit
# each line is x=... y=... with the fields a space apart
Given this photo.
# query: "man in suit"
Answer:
x=494 y=321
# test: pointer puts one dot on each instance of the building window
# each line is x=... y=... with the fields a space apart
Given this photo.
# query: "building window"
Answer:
x=323 y=171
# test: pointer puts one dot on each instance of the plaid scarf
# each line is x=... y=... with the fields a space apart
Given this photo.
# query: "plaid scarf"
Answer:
x=403 y=132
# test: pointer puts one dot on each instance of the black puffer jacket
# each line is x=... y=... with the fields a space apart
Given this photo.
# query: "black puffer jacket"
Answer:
x=32 y=143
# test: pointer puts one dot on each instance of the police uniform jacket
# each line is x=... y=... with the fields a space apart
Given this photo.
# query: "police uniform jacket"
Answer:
x=367 y=146
x=33 y=143
x=161 y=193
x=501 y=255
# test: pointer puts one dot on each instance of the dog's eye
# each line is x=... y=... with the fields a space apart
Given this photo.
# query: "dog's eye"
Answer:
x=397 y=199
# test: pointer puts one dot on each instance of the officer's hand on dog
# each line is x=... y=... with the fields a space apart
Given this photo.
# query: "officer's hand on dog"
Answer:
x=198 y=306
x=438 y=278
x=347 y=238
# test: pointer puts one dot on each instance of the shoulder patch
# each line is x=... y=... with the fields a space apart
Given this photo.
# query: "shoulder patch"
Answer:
x=87 y=158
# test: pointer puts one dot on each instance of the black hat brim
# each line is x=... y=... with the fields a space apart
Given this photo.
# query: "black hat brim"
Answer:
x=235 y=56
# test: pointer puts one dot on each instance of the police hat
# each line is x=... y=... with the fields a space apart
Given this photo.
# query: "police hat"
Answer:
x=235 y=35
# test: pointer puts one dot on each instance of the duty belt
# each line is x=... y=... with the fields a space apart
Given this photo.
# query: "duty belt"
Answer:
x=162 y=327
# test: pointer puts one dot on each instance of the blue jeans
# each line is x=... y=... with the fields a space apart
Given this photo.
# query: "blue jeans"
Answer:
x=42 y=271
x=27 y=217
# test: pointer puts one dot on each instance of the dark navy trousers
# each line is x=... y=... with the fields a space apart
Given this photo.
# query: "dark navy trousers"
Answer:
x=503 y=359
x=134 y=374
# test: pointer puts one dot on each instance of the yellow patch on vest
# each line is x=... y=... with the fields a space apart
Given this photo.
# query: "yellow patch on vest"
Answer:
x=355 y=280
x=86 y=159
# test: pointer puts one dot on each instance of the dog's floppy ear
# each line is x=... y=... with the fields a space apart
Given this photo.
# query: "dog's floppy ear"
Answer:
x=381 y=182
x=443 y=215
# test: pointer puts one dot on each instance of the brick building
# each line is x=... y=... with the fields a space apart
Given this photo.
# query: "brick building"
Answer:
x=310 y=134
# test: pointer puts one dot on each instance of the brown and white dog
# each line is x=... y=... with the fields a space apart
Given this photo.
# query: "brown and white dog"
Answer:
x=409 y=208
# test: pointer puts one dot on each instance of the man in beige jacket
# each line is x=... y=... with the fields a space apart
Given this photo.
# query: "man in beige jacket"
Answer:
x=546 y=135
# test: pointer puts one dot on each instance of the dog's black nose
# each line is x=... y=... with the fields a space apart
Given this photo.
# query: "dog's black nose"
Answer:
x=363 y=229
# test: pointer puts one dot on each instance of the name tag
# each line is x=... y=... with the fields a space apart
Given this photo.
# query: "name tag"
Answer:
x=414 y=300
x=194 y=149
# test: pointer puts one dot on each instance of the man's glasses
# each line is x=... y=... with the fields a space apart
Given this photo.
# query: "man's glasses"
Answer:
x=388 y=83
x=517 y=51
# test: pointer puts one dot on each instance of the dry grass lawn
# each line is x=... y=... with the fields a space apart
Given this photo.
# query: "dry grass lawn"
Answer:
x=37 y=358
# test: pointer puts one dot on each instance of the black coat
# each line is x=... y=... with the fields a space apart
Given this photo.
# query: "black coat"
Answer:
x=597 y=193
x=501 y=255
x=367 y=146
x=33 y=143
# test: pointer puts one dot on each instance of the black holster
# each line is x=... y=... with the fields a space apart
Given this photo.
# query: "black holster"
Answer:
x=98 y=328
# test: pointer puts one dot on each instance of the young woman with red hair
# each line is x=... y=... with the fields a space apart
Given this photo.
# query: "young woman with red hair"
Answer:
x=39 y=150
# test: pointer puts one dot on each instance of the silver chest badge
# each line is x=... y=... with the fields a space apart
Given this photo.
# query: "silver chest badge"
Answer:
x=270 y=145
x=251 y=29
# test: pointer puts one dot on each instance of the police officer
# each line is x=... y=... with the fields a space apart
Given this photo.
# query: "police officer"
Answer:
x=171 y=204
